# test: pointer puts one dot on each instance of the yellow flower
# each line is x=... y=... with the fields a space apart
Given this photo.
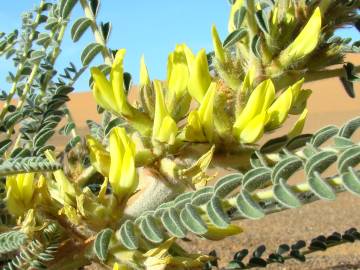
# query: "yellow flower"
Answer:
x=218 y=48
x=305 y=42
x=249 y=124
x=122 y=176
x=99 y=157
x=177 y=96
x=165 y=128
x=200 y=125
x=279 y=110
x=64 y=187
x=200 y=78
x=111 y=94
x=299 y=125
x=19 y=193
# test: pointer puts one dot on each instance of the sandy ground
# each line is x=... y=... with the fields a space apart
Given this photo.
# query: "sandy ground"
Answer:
x=328 y=105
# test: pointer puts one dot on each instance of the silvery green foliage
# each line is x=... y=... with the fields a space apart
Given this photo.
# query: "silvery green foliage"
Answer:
x=39 y=251
x=11 y=241
x=235 y=196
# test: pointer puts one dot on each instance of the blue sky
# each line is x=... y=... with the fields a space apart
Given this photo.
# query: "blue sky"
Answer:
x=149 y=27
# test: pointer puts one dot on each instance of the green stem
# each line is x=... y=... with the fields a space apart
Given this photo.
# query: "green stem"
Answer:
x=97 y=33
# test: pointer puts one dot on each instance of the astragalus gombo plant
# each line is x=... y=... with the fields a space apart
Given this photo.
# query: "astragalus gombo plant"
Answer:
x=145 y=178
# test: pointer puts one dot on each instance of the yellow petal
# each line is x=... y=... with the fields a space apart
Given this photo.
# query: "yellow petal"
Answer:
x=129 y=179
x=99 y=157
x=117 y=83
x=160 y=108
x=102 y=91
x=117 y=152
x=28 y=187
x=259 y=101
x=254 y=129
x=190 y=57
x=168 y=131
x=218 y=48
x=14 y=206
x=193 y=129
x=144 y=74
x=200 y=79
x=206 y=112
x=179 y=74
x=248 y=81
x=215 y=233
x=299 y=125
x=296 y=88
x=305 y=42
x=279 y=110
x=299 y=104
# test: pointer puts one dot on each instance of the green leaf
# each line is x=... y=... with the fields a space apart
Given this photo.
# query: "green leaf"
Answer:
x=255 y=46
x=274 y=145
x=257 y=178
x=43 y=39
x=42 y=137
x=150 y=229
x=348 y=159
x=127 y=236
x=183 y=199
x=202 y=195
x=171 y=221
x=216 y=213
x=323 y=135
x=79 y=27
x=66 y=7
x=234 y=37
x=298 y=141
x=349 y=128
x=285 y=168
x=116 y=122
x=239 y=17
x=320 y=162
x=71 y=144
x=94 y=6
x=192 y=220
x=37 y=56
x=284 y=194
x=101 y=244
x=248 y=207
x=4 y=145
x=106 y=30
x=351 y=181
x=90 y=52
x=225 y=185
x=342 y=143
x=262 y=21
x=321 y=188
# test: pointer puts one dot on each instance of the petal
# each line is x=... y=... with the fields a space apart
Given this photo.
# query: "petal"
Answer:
x=117 y=83
x=102 y=91
x=279 y=110
x=299 y=125
x=260 y=99
x=206 y=111
x=254 y=129
x=193 y=129
x=129 y=180
x=117 y=151
x=28 y=187
x=144 y=74
x=179 y=74
x=200 y=78
x=218 y=47
x=305 y=42
x=167 y=131
x=160 y=108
